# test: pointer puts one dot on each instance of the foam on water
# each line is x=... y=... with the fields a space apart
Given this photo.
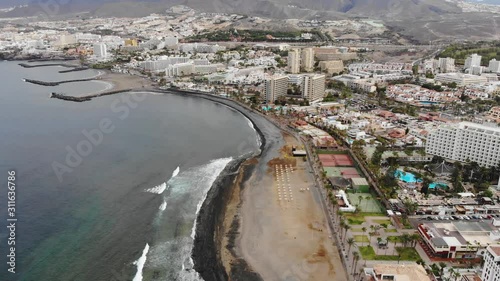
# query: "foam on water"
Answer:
x=163 y=205
x=171 y=251
x=140 y=263
x=218 y=166
x=158 y=189
x=176 y=172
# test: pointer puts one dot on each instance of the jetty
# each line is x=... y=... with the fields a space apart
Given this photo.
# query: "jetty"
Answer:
x=74 y=69
x=44 y=83
x=48 y=64
x=88 y=97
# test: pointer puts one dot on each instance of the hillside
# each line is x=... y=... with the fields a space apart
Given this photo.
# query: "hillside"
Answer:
x=379 y=9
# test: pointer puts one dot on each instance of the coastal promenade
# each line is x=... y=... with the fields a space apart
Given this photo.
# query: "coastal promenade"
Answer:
x=318 y=192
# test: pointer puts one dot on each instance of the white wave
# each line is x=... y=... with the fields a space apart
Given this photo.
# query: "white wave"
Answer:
x=219 y=165
x=187 y=192
x=140 y=263
x=163 y=205
x=158 y=189
x=249 y=122
x=176 y=172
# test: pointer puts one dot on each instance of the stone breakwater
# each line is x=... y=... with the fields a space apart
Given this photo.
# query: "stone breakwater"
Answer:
x=88 y=97
x=48 y=64
x=44 y=83
x=74 y=69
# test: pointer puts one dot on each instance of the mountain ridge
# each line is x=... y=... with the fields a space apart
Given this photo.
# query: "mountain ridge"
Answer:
x=280 y=9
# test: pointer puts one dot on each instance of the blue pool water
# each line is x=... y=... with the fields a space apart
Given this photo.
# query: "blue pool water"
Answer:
x=429 y=102
x=406 y=177
x=438 y=185
x=410 y=178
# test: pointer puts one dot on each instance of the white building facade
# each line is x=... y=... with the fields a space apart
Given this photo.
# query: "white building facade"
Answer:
x=313 y=87
x=100 y=50
x=491 y=268
x=473 y=60
x=307 y=59
x=466 y=141
x=294 y=61
x=276 y=87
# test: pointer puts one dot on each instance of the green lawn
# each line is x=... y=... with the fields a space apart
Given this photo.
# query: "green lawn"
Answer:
x=394 y=238
x=391 y=230
x=355 y=221
x=387 y=222
x=361 y=238
x=356 y=229
x=407 y=254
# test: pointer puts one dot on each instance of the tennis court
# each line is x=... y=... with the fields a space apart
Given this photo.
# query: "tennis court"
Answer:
x=369 y=205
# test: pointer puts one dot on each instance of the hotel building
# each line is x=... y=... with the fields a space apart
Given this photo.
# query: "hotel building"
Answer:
x=491 y=268
x=466 y=141
x=307 y=59
x=294 y=61
x=276 y=87
x=313 y=87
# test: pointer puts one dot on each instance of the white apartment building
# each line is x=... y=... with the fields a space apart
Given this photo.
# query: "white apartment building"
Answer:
x=466 y=141
x=331 y=67
x=494 y=66
x=180 y=69
x=313 y=87
x=491 y=268
x=460 y=78
x=162 y=63
x=171 y=41
x=100 y=50
x=446 y=65
x=294 y=61
x=472 y=60
x=308 y=59
x=276 y=87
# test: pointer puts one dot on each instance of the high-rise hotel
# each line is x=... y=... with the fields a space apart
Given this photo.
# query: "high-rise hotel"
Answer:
x=466 y=141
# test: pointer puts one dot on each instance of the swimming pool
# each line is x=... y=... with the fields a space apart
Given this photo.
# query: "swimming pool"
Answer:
x=438 y=185
x=406 y=177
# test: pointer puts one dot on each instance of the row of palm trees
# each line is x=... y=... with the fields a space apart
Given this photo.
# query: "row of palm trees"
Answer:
x=343 y=226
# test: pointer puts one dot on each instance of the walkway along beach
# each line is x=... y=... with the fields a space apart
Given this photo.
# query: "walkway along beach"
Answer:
x=244 y=232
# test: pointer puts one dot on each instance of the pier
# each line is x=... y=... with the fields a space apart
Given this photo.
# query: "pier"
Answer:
x=88 y=97
x=74 y=69
x=44 y=83
x=48 y=64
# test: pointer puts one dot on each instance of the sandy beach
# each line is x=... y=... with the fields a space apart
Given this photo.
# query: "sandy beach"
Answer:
x=124 y=81
x=264 y=221
x=284 y=233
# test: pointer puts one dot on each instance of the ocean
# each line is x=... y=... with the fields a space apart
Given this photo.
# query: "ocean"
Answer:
x=108 y=189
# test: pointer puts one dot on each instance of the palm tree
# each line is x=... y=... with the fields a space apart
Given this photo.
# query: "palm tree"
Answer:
x=346 y=227
x=341 y=228
x=415 y=239
x=364 y=232
x=355 y=258
x=360 y=199
x=442 y=265
x=367 y=198
x=405 y=238
x=351 y=242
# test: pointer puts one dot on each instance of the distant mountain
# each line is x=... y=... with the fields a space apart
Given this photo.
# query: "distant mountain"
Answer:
x=383 y=9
